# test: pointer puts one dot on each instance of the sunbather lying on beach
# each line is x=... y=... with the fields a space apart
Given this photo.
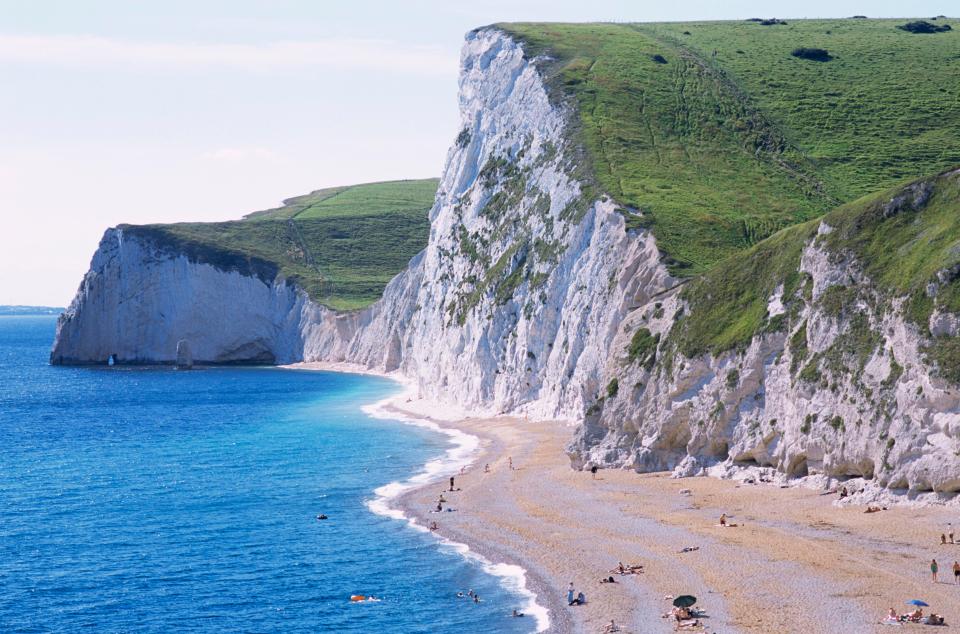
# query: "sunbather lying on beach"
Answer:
x=913 y=617
x=629 y=569
x=608 y=580
x=611 y=627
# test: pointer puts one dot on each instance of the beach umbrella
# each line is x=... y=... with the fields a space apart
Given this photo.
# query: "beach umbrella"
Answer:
x=918 y=602
x=686 y=600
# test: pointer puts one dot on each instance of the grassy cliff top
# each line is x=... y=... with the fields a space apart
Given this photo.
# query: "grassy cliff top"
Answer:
x=723 y=136
x=342 y=245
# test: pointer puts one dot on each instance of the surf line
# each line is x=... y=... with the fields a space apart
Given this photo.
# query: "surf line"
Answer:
x=461 y=454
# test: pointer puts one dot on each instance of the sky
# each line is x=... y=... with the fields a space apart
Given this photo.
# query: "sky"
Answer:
x=127 y=111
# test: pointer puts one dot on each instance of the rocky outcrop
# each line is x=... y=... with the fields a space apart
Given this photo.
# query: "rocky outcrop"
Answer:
x=840 y=384
x=139 y=301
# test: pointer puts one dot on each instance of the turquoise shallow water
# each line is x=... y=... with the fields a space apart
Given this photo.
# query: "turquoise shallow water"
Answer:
x=151 y=500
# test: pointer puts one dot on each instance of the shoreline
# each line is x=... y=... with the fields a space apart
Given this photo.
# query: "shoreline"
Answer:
x=798 y=561
x=465 y=452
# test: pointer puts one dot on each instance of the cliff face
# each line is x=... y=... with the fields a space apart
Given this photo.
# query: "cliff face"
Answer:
x=842 y=379
x=515 y=301
x=139 y=300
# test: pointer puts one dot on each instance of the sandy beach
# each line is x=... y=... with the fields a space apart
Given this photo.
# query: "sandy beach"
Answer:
x=795 y=562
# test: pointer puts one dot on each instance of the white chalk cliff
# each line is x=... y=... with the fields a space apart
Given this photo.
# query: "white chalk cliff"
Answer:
x=512 y=306
x=525 y=301
x=844 y=389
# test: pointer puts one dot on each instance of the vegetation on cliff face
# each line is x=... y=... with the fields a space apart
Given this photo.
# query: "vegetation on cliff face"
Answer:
x=906 y=240
x=341 y=245
x=734 y=138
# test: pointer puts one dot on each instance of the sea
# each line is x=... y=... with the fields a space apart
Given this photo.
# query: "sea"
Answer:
x=138 y=499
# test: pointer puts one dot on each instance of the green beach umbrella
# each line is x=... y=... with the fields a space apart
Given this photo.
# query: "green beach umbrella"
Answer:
x=684 y=601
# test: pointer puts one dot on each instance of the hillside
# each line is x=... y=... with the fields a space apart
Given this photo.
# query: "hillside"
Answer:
x=342 y=245
x=828 y=348
x=720 y=136
x=905 y=240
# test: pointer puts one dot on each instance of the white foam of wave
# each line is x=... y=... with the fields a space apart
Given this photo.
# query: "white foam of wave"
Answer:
x=461 y=454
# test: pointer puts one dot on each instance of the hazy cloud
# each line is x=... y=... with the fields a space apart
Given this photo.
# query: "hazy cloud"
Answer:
x=84 y=51
x=237 y=154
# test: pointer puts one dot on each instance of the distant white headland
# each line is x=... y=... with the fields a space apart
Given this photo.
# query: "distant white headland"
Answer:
x=30 y=310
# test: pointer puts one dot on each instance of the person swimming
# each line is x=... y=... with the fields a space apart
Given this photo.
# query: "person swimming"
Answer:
x=322 y=517
x=516 y=613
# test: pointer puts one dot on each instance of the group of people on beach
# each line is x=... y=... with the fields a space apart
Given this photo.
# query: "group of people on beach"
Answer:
x=914 y=617
x=935 y=569
x=574 y=597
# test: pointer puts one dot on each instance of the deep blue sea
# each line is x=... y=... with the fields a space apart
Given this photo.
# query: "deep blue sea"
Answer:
x=154 y=500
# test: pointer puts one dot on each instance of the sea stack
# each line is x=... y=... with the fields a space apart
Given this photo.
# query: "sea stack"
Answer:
x=184 y=356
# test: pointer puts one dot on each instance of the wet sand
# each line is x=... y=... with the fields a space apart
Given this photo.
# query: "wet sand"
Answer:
x=795 y=563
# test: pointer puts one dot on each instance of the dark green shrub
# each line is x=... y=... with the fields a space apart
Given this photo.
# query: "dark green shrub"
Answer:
x=922 y=26
x=814 y=54
x=643 y=348
x=613 y=387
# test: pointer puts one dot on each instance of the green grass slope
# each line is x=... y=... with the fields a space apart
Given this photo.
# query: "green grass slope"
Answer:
x=906 y=239
x=722 y=137
x=342 y=245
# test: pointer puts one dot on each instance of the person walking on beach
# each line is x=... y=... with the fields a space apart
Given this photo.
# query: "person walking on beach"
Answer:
x=451 y=483
x=486 y=468
x=933 y=569
x=593 y=472
x=510 y=461
x=956 y=572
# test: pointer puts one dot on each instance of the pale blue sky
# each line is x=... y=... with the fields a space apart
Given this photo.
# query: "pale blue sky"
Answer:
x=126 y=111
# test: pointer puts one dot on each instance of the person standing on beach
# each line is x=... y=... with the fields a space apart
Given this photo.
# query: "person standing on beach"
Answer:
x=510 y=461
x=570 y=593
x=956 y=572
x=451 y=483
x=933 y=569
x=593 y=472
